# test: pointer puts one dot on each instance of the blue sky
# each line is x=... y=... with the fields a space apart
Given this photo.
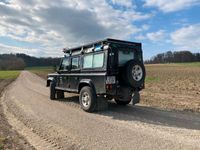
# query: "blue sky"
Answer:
x=42 y=28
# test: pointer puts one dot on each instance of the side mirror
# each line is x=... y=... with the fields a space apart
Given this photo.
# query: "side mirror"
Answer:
x=57 y=68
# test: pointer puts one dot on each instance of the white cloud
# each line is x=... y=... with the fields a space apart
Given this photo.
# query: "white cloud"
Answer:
x=145 y=27
x=125 y=3
x=187 y=37
x=171 y=5
x=156 y=36
x=140 y=37
x=56 y=24
x=13 y=49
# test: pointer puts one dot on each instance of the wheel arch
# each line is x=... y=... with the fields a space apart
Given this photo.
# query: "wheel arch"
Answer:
x=49 y=80
x=86 y=82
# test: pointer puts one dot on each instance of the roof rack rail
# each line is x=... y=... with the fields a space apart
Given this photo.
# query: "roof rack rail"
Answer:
x=101 y=42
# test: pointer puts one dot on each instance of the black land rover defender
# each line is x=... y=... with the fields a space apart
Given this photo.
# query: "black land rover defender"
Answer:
x=110 y=68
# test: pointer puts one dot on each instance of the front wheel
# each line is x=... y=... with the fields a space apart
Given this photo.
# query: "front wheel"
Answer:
x=52 y=90
x=88 y=99
x=60 y=94
x=119 y=102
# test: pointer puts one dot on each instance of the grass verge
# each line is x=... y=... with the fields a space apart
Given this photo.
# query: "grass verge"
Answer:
x=6 y=77
x=2 y=142
x=9 y=139
x=4 y=125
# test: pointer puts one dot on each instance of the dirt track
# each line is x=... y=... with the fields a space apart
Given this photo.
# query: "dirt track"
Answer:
x=63 y=125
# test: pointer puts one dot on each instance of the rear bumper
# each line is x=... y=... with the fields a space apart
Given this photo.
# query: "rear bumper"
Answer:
x=124 y=94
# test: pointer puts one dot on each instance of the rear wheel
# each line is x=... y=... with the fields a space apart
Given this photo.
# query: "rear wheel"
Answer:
x=52 y=90
x=120 y=102
x=88 y=99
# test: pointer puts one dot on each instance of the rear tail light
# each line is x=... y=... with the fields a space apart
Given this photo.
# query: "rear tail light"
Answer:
x=109 y=87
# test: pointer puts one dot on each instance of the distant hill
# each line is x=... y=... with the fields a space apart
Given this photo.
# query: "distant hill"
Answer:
x=20 y=61
x=174 y=57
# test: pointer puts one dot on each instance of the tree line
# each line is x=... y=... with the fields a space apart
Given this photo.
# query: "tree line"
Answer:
x=20 y=61
x=11 y=62
x=174 y=57
x=31 y=61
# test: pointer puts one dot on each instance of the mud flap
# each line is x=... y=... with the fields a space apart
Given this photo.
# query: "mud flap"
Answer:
x=135 y=98
x=102 y=104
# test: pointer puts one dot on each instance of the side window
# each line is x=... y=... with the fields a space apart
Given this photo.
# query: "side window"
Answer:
x=87 y=61
x=65 y=64
x=98 y=60
x=93 y=61
x=75 y=63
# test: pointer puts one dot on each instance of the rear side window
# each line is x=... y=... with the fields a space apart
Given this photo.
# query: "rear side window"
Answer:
x=93 y=61
x=98 y=60
x=87 y=61
x=75 y=63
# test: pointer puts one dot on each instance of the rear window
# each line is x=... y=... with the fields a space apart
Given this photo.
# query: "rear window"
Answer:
x=125 y=56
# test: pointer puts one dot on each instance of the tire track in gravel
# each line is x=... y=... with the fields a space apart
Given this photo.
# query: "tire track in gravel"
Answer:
x=63 y=125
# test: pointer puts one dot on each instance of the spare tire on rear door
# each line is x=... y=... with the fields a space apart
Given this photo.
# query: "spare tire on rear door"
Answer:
x=134 y=73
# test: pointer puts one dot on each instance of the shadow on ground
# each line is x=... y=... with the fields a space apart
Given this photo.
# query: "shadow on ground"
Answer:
x=148 y=115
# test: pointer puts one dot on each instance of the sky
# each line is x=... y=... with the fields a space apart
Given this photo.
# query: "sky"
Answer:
x=42 y=28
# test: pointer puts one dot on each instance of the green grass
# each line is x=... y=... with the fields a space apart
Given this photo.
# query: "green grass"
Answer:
x=150 y=79
x=40 y=68
x=9 y=74
x=189 y=64
x=2 y=142
x=46 y=69
x=192 y=64
x=41 y=71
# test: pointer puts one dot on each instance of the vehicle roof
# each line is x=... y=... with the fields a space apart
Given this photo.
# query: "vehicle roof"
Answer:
x=105 y=41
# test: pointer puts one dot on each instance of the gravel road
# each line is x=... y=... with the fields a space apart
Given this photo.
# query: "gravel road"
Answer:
x=62 y=124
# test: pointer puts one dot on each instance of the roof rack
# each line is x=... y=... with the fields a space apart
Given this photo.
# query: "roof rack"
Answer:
x=101 y=42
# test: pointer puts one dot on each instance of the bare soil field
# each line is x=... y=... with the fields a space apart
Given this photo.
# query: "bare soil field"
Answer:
x=173 y=86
